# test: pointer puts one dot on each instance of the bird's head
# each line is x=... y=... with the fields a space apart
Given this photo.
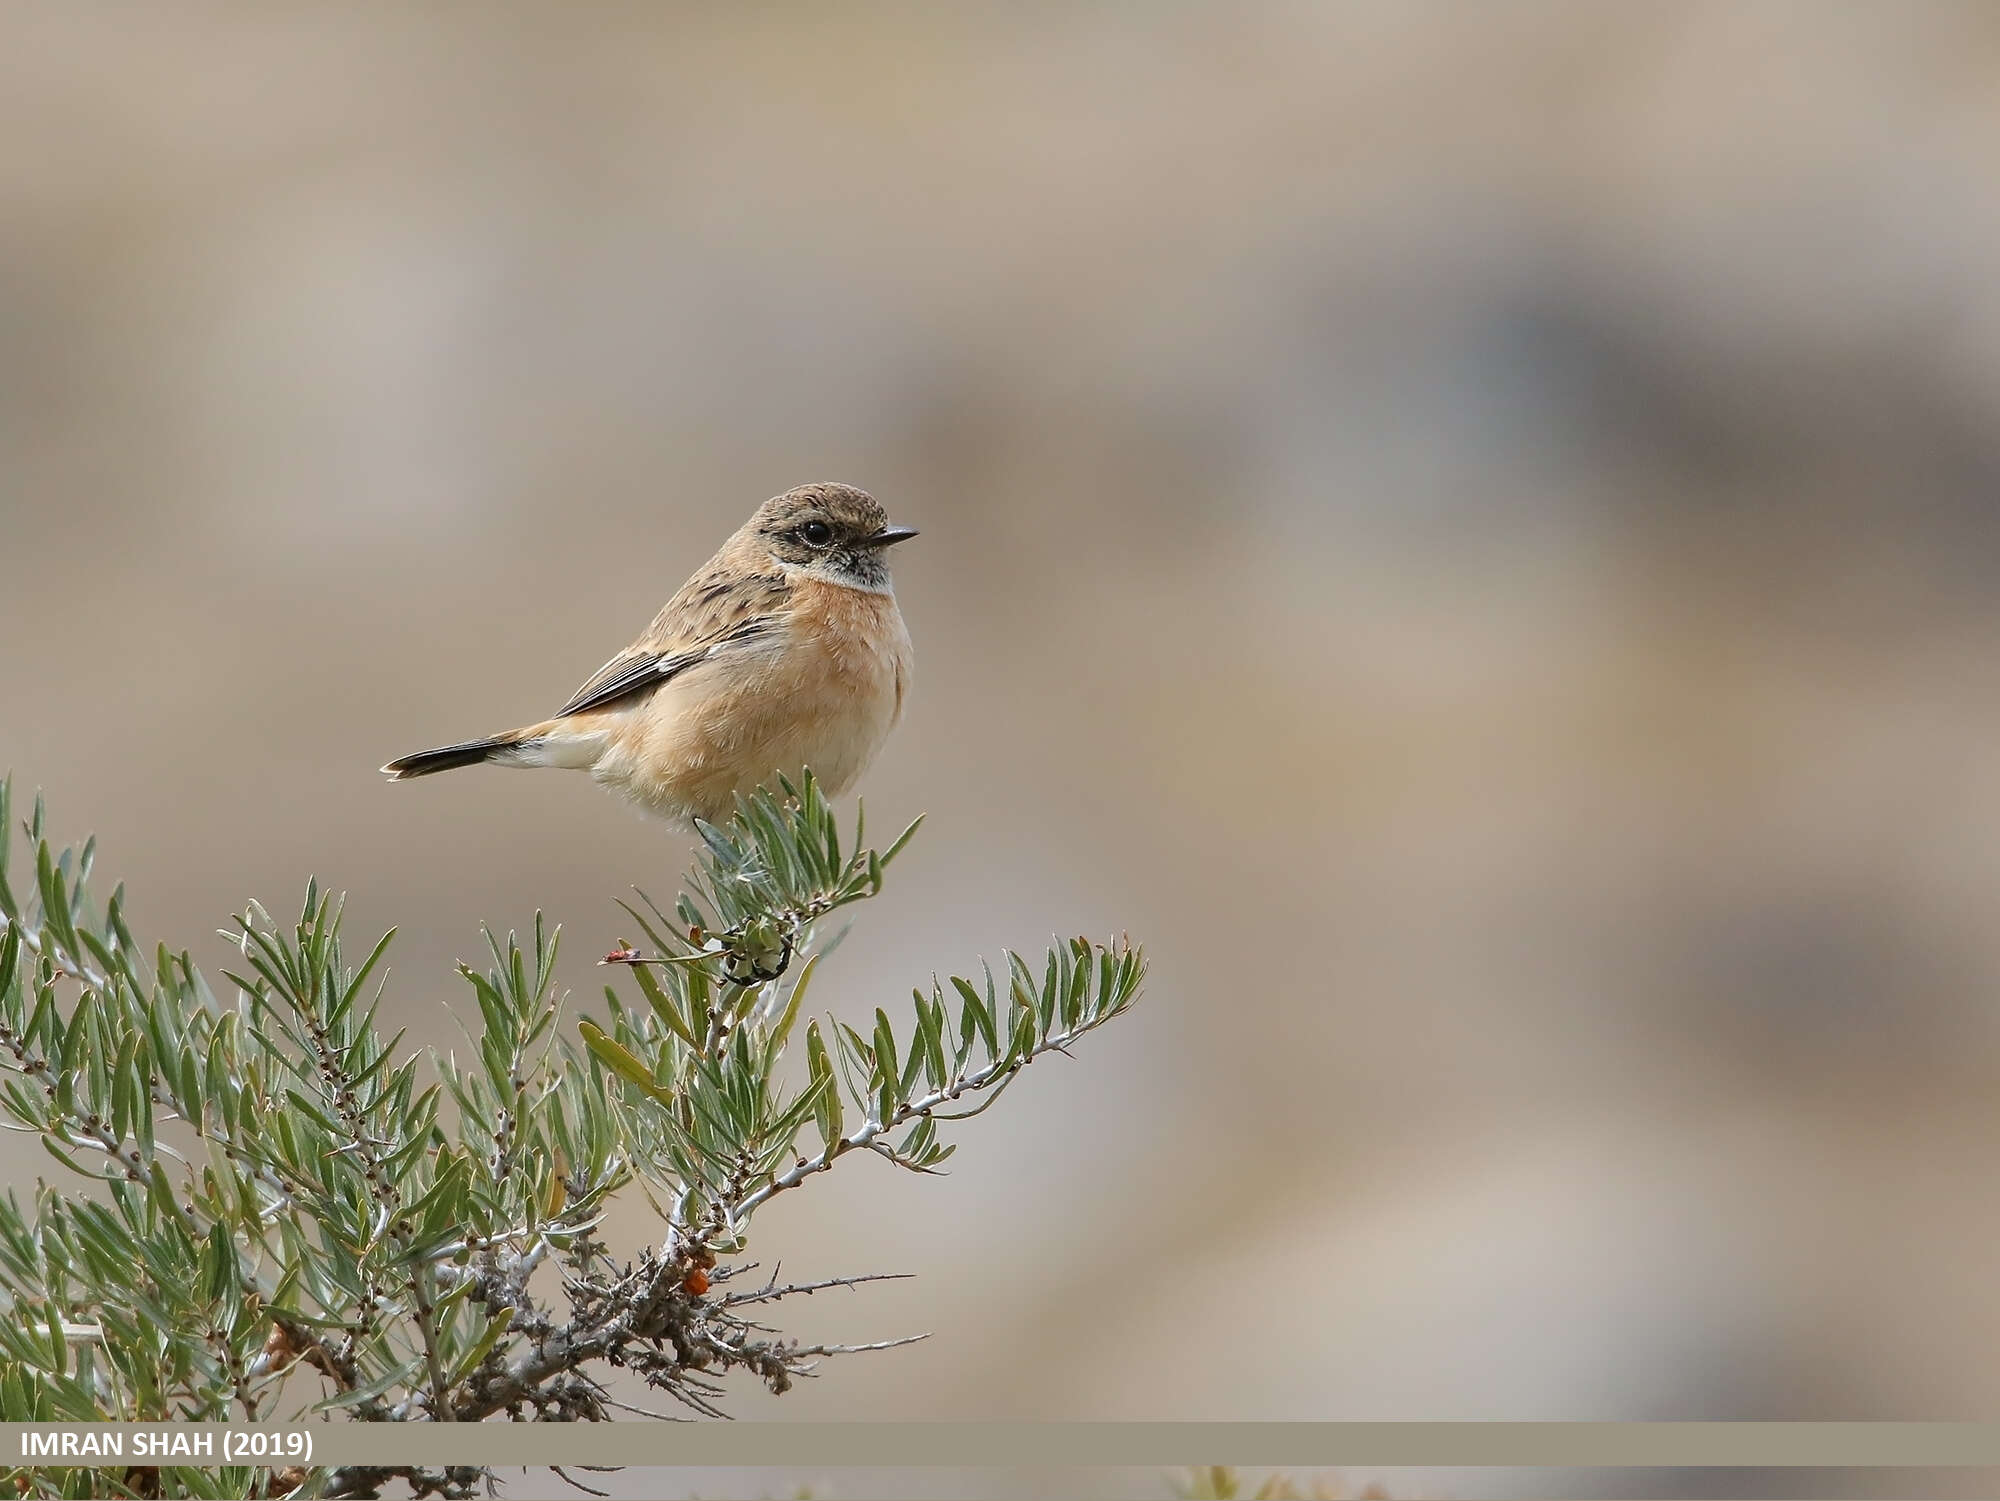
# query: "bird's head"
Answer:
x=832 y=532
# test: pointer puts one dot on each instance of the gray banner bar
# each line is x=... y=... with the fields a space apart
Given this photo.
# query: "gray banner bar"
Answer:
x=833 y=1445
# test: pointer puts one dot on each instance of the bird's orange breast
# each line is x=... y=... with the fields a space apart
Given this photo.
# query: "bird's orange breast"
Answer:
x=824 y=693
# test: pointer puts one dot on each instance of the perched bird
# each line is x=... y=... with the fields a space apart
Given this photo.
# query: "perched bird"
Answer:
x=784 y=651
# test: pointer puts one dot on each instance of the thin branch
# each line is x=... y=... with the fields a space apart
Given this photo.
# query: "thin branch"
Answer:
x=880 y=1344
x=664 y=1417
x=772 y=1292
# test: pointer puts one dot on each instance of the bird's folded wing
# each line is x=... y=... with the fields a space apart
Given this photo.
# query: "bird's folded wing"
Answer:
x=639 y=667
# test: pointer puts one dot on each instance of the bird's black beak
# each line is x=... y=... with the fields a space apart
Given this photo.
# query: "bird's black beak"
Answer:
x=889 y=536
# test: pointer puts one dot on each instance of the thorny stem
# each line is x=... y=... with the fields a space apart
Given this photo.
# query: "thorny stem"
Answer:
x=426 y=1321
x=340 y=1091
x=75 y=1130
x=770 y=1292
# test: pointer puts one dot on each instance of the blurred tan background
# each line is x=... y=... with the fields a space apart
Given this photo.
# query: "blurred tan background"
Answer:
x=1473 y=531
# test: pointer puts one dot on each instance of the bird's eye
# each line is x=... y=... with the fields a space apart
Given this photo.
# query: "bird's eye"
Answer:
x=816 y=534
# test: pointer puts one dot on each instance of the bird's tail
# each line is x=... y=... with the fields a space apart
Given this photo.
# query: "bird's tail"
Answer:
x=449 y=757
x=554 y=743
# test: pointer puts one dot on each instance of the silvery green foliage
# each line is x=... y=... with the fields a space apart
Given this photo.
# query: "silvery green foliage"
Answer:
x=293 y=1215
